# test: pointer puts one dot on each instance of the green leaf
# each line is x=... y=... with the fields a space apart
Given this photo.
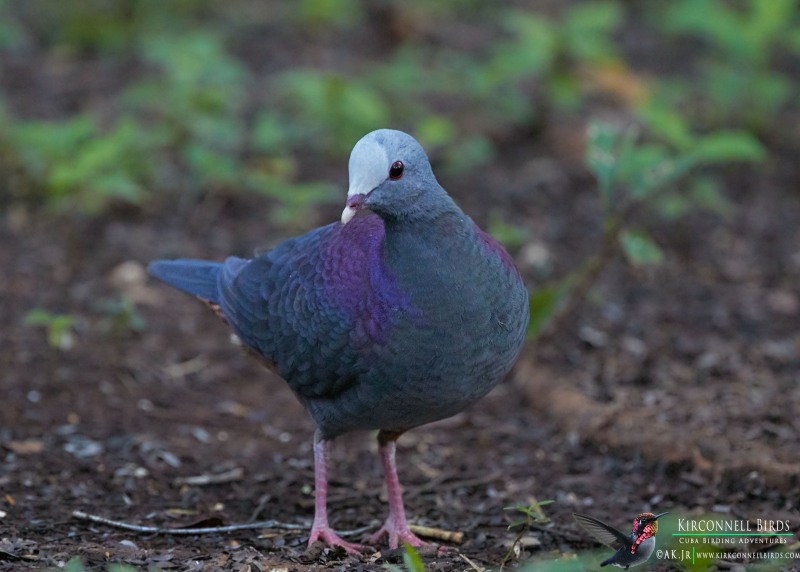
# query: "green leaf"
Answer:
x=667 y=123
x=588 y=29
x=646 y=168
x=618 y=162
x=121 y=568
x=435 y=131
x=639 y=249
x=544 y=305
x=601 y=142
x=530 y=53
x=38 y=317
x=412 y=559
x=211 y=167
x=509 y=235
x=336 y=109
x=588 y=560
x=595 y=16
x=793 y=40
x=58 y=326
x=727 y=146
x=468 y=153
x=566 y=91
x=705 y=194
x=269 y=133
x=12 y=34
x=75 y=564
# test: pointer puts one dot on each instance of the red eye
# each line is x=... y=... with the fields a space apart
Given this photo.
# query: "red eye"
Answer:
x=396 y=170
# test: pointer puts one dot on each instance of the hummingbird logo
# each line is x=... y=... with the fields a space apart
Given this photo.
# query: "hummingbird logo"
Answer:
x=632 y=549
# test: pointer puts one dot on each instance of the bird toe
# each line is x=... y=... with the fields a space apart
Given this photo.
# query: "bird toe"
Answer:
x=329 y=537
x=396 y=536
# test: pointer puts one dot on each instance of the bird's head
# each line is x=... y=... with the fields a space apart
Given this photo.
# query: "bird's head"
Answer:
x=390 y=175
x=646 y=524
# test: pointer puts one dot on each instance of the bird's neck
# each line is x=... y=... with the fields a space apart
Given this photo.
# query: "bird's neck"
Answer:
x=645 y=547
x=413 y=236
x=423 y=206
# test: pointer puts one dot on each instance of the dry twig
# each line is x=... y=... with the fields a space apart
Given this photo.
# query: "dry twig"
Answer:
x=472 y=564
x=455 y=537
x=211 y=479
x=204 y=530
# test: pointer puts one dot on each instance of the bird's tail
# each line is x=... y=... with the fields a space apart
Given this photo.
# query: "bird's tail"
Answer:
x=196 y=277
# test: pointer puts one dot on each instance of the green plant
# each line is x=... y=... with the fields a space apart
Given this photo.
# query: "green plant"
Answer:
x=77 y=165
x=740 y=81
x=531 y=514
x=59 y=327
x=484 y=94
x=322 y=14
x=331 y=111
x=634 y=176
x=11 y=32
x=196 y=100
x=191 y=121
x=294 y=200
x=511 y=236
x=589 y=560
x=636 y=179
x=557 y=51
x=411 y=560
x=184 y=122
x=120 y=315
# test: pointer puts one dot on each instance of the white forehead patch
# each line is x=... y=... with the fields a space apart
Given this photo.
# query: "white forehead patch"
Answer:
x=369 y=166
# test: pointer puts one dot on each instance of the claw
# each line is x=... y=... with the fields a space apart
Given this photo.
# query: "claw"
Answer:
x=397 y=533
x=324 y=534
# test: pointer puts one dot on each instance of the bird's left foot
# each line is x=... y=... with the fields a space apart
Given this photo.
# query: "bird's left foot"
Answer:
x=397 y=533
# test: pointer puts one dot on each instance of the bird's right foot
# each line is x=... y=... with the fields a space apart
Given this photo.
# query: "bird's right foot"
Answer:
x=328 y=536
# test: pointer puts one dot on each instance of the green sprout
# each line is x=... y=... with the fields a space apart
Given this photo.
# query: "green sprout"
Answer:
x=411 y=560
x=531 y=514
x=58 y=326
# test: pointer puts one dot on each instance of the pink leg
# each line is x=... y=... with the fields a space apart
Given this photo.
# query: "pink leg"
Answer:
x=396 y=525
x=321 y=530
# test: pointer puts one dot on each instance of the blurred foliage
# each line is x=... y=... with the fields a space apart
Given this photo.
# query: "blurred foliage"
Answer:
x=78 y=165
x=511 y=236
x=586 y=560
x=639 y=181
x=199 y=112
x=76 y=565
x=531 y=514
x=412 y=561
x=742 y=78
x=59 y=327
x=331 y=110
x=120 y=316
x=194 y=118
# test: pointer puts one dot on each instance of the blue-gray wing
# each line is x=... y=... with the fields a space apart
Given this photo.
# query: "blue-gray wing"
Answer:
x=306 y=306
x=601 y=531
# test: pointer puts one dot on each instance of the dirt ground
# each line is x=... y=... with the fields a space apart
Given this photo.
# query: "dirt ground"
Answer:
x=672 y=388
